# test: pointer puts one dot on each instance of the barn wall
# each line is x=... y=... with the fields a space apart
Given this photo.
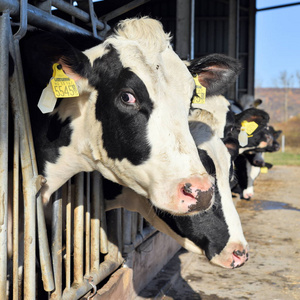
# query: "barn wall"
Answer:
x=221 y=26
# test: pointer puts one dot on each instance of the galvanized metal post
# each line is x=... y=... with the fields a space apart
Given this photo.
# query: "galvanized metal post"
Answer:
x=16 y=184
x=78 y=229
x=57 y=243
x=95 y=223
x=192 y=35
x=4 y=44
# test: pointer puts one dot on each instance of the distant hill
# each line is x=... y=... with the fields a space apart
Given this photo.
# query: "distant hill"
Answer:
x=273 y=102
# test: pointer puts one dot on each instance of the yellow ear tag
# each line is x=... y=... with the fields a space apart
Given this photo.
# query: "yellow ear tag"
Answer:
x=200 y=92
x=62 y=85
x=264 y=170
x=243 y=137
x=250 y=127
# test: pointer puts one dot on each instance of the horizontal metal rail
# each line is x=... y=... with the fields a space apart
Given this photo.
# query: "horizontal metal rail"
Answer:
x=44 y=20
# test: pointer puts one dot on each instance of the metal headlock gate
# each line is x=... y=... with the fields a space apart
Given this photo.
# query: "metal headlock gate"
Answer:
x=86 y=243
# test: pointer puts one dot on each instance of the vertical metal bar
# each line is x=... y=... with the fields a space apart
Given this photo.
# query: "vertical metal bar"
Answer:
x=233 y=40
x=93 y=17
x=16 y=171
x=251 y=47
x=23 y=20
x=134 y=225
x=57 y=242
x=4 y=42
x=88 y=225
x=95 y=223
x=68 y=236
x=140 y=224
x=78 y=228
x=103 y=227
x=29 y=172
x=126 y=227
x=192 y=37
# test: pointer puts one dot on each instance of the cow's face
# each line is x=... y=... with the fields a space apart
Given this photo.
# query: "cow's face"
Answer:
x=130 y=121
x=143 y=98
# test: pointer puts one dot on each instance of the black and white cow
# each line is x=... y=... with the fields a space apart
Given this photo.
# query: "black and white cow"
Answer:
x=217 y=231
x=248 y=164
x=130 y=121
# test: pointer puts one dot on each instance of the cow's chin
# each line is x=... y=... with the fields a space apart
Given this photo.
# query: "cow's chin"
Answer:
x=234 y=255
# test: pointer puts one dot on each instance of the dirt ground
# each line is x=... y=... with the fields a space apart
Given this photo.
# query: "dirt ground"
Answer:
x=271 y=223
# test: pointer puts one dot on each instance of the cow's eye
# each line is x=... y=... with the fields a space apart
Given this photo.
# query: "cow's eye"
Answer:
x=128 y=98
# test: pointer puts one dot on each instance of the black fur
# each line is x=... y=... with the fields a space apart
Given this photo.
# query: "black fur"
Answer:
x=124 y=126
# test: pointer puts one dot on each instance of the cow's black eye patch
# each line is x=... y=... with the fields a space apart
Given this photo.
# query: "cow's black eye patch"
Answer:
x=123 y=107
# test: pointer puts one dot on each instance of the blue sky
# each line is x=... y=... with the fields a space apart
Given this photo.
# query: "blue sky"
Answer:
x=277 y=42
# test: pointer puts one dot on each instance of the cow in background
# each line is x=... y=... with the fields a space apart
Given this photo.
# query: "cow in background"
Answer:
x=249 y=164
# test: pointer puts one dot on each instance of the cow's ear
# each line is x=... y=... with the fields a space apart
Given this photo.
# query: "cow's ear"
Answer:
x=42 y=49
x=260 y=117
x=257 y=102
x=277 y=134
x=216 y=72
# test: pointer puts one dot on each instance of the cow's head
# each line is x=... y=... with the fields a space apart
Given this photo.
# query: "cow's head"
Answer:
x=130 y=121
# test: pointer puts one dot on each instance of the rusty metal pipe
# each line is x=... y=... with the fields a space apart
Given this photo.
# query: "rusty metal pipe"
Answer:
x=113 y=261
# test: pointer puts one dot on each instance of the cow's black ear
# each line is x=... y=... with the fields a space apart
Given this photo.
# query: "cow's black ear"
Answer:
x=260 y=117
x=257 y=102
x=216 y=72
x=41 y=49
x=277 y=134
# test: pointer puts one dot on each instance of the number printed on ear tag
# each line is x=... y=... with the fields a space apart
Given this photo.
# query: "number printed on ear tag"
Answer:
x=62 y=85
x=200 y=92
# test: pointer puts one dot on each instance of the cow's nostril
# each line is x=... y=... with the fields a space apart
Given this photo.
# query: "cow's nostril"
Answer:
x=238 y=252
x=187 y=188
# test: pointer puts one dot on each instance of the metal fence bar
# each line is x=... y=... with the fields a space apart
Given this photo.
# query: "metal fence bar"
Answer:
x=78 y=228
x=28 y=191
x=68 y=235
x=134 y=225
x=88 y=225
x=44 y=20
x=140 y=224
x=126 y=226
x=77 y=13
x=57 y=243
x=31 y=182
x=16 y=184
x=4 y=38
x=103 y=223
x=95 y=223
